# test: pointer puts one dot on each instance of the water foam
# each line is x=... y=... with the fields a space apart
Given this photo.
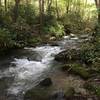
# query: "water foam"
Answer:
x=29 y=71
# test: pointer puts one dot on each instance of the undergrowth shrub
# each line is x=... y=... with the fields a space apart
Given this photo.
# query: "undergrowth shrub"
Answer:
x=6 y=39
x=55 y=30
x=21 y=30
x=74 y=23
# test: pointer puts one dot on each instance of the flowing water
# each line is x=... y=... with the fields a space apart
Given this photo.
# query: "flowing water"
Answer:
x=24 y=69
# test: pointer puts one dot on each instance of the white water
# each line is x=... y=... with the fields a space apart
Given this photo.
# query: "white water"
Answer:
x=26 y=73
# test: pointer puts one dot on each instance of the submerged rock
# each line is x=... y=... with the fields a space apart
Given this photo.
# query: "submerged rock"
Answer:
x=59 y=95
x=53 y=43
x=84 y=36
x=70 y=92
x=40 y=92
x=46 y=82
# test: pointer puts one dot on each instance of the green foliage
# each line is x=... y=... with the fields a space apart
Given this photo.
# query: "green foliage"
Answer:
x=5 y=19
x=55 y=30
x=34 y=40
x=28 y=19
x=28 y=13
x=21 y=30
x=93 y=88
x=74 y=23
x=73 y=20
x=19 y=33
x=88 y=56
x=5 y=38
x=90 y=53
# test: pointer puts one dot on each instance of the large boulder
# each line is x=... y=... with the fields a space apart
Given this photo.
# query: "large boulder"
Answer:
x=68 y=55
x=37 y=93
x=40 y=92
x=77 y=69
x=46 y=82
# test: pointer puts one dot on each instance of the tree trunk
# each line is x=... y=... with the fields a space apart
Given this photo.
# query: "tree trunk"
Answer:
x=97 y=2
x=57 y=12
x=15 y=11
x=67 y=6
x=49 y=6
x=0 y=3
x=41 y=11
x=5 y=2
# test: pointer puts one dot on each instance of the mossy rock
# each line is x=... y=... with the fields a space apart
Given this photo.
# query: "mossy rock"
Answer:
x=68 y=55
x=3 y=84
x=77 y=69
x=37 y=93
x=70 y=92
x=46 y=82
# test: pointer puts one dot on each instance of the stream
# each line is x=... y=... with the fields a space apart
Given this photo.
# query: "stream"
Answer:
x=23 y=69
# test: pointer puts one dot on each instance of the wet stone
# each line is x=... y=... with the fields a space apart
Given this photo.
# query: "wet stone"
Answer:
x=46 y=82
x=58 y=95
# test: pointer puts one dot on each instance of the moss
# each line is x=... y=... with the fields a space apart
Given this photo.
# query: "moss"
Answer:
x=77 y=69
x=37 y=93
x=70 y=91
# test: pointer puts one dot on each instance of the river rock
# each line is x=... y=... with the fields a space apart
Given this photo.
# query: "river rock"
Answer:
x=59 y=95
x=72 y=35
x=37 y=93
x=70 y=91
x=53 y=43
x=52 y=38
x=67 y=55
x=84 y=36
x=46 y=82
